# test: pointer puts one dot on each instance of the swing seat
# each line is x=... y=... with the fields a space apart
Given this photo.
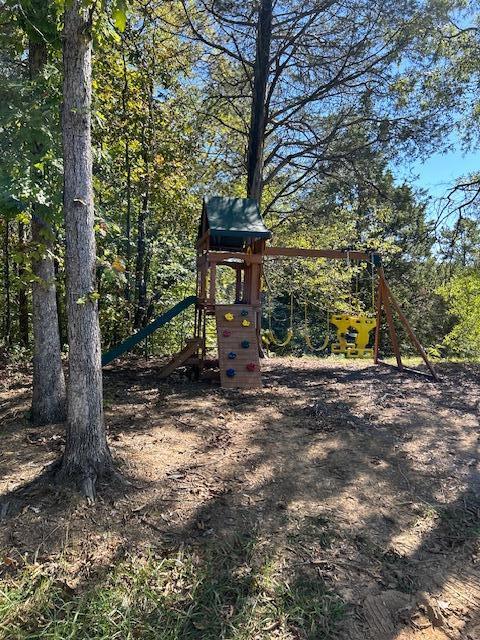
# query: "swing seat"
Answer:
x=270 y=338
x=363 y=325
x=338 y=348
x=359 y=353
x=342 y=322
x=322 y=347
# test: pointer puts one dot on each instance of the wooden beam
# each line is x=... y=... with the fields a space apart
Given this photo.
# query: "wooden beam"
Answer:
x=331 y=254
x=232 y=265
x=187 y=352
x=376 y=347
x=248 y=258
x=408 y=370
x=213 y=283
x=409 y=330
x=391 y=325
x=238 y=283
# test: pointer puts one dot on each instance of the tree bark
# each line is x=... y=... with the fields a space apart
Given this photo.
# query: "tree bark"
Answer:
x=49 y=395
x=140 y=283
x=61 y=319
x=22 y=290
x=258 y=117
x=7 y=318
x=128 y=189
x=87 y=456
x=140 y=271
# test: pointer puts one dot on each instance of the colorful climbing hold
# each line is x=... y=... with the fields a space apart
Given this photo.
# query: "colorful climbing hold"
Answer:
x=251 y=366
x=229 y=316
x=245 y=344
x=246 y=323
x=230 y=373
x=244 y=312
x=226 y=333
x=232 y=355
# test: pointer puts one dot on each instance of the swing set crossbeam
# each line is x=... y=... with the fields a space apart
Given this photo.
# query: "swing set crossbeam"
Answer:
x=330 y=254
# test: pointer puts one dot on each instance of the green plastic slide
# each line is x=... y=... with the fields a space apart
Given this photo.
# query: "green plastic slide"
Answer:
x=136 y=338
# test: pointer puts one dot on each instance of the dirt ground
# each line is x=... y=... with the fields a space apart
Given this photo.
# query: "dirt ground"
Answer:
x=367 y=476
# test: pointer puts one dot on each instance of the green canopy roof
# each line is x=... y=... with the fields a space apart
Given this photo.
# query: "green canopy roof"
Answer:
x=234 y=218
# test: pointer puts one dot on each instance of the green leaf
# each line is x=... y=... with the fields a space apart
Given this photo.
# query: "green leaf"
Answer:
x=119 y=16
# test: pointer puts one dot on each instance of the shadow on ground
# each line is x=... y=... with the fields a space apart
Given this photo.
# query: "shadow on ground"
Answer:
x=338 y=501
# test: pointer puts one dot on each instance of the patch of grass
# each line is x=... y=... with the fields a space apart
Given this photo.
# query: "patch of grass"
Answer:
x=235 y=591
x=317 y=530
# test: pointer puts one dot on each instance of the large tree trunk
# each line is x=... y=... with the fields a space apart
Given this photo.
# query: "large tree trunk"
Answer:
x=86 y=455
x=49 y=397
x=258 y=115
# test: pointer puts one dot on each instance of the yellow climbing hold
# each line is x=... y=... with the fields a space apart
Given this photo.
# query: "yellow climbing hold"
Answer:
x=229 y=317
x=246 y=323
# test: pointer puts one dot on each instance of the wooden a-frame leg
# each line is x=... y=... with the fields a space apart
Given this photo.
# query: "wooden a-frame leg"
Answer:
x=409 y=330
x=376 y=347
x=391 y=325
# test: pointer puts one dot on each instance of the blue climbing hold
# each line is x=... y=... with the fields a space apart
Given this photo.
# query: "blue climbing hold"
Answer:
x=230 y=373
x=245 y=344
x=244 y=312
x=232 y=355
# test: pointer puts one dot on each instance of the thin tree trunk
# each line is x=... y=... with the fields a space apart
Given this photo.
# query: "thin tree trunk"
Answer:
x=49 y=395
x=128 y=222
x=87 y=456
x=61 y=321
x=140 y=282
x=128 y=188
x=49 y=398
x=7 y=318
x=22 y=289
x=258 y=116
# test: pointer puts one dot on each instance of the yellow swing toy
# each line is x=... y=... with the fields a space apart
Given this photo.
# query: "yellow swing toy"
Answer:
x=361 y=324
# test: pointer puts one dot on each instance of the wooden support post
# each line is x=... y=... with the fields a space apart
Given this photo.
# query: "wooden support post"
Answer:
x=409 y=330
x=255 y=284
x=202 y=289
x=238 y=284
x=391 y=325
x=247 y=284
x=204 y=335
x=213 y=284
x=379 y=320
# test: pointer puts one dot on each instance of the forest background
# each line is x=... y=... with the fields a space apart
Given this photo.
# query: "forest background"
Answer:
x=356 y=93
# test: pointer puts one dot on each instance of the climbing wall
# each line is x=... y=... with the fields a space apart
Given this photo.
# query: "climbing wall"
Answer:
x=237 y=346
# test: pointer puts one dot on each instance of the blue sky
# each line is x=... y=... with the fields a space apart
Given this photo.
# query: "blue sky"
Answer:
x=439 y=172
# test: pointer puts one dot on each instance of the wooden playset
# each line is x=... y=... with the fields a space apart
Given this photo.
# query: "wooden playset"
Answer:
x=232 y=234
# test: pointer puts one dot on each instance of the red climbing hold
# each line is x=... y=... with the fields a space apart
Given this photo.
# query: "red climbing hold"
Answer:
x=251 y=366
x=226 y=333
